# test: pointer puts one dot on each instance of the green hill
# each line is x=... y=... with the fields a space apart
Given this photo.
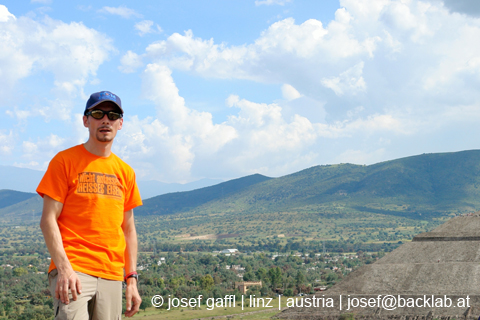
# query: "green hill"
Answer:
x=184 y=201
x=19 y=206
x=417 y=187
x=11 y=197
x=424 y=185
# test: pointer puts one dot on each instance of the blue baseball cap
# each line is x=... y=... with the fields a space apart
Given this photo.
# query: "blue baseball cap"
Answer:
x=103 y=96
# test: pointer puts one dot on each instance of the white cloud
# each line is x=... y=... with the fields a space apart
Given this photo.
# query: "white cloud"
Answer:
x=267 y=141
x=68 y=55
x=418 y=41
x=29 y=147
x=44 y=148
x=382 y=75
x=270 y=2
x=71 y=52
x=350 y=81
x=30 y=165
x=146 y=26
x=282 y=50
x=52 y=141
x=7 y=143
x=80 y=133
x=188 y=142
x=264 y=129
x=130 y=62
x=376 y=54
x=290 y=93
x=171 y=108
x=121 y=11
x=21 y=115
x=177 y=137
x=5 y=15
x=387 y=123
x=382 y=70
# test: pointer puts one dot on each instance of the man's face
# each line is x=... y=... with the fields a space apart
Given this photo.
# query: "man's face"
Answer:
x=103 y=130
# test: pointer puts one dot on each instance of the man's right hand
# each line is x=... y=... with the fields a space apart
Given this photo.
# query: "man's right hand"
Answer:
x=67 y=282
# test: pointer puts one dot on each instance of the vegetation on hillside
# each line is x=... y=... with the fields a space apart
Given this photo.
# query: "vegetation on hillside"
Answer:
x=24 y=262
x=418 y=187
x=10 y=197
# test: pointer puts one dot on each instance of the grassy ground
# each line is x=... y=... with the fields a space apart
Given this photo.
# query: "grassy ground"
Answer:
x=234 y=312
x=249 y=229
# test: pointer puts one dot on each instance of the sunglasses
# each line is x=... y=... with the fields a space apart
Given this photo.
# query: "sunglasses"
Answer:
x=99 y=114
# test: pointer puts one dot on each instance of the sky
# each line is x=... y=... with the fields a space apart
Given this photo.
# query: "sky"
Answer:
x=224 y=89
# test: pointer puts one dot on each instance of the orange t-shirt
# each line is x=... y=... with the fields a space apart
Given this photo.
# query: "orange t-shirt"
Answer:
x=95 y=193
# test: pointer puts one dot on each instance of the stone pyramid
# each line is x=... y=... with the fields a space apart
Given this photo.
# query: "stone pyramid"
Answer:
x=434 y=267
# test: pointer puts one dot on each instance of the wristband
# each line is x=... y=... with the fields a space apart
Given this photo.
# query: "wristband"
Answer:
x=132 y=274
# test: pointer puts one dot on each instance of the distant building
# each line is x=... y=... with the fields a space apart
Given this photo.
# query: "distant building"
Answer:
x=242 y=286
x=229 y=251
x=237 y=267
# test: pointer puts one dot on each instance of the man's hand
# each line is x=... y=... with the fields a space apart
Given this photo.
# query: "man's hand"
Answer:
x=132 y=297
x=64 y=283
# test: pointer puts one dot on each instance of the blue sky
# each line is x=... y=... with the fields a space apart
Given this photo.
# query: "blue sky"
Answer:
x=223 y=89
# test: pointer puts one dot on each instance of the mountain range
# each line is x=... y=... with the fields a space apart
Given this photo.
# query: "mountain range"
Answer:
x=427 y=185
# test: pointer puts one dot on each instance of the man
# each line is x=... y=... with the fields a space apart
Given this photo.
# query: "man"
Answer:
x=88 y=198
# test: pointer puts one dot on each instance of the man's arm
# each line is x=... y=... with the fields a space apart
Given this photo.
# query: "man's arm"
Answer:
x=66 y=278
x=131 y=294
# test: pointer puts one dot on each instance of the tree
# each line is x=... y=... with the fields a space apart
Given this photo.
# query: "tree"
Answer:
x=217 y=279
x=262 y=274
x=159 y=283
x=207 y=282
x=300 y=278
x=288 y=292
x=28 y=313
x=253 y=290
x=248 y=276
x=144 y=304
x=8 y=305
x=331 y=277
x=275 y=275
x=38 y=299
x=18 y=272
x=174 y=283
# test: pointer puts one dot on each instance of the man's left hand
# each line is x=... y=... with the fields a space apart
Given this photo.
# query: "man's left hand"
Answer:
x=132 y=297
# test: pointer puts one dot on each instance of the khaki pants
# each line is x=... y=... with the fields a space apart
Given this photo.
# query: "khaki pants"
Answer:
x=100 y=299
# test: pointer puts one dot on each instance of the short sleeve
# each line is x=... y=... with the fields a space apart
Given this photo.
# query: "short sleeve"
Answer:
x=132 y=195
x=55 y=181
